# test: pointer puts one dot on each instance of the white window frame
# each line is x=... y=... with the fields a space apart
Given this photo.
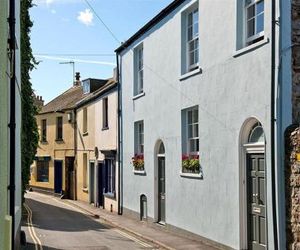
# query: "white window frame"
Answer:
x=139 y=133
x=248 y=4
x=139 y=69
x=86 y=87
x=189 y=139
x=191 y=67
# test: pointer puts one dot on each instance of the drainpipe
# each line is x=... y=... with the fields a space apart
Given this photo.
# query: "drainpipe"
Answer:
x=12 y=122
x=120 y=163
x=75 y=155
x=273 y=122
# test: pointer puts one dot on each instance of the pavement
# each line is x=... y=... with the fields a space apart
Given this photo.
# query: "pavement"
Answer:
x=150 y=235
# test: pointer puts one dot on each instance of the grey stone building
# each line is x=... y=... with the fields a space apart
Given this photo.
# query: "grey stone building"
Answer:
x=206 y=93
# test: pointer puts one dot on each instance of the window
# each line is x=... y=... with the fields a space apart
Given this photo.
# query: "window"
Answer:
x=193 y=39
x=139 y=137
x=192 y=131
x=86 y=87
x=110 y=176
x=105 y=112
x=84 y=171
x=59 y=128
x=85 y=121
x=44 y=130
x=139 y=70
x=42 y=171
x=256 y=134
x=254 y=20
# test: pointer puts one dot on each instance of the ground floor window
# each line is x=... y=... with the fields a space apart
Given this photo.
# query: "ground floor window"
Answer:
x=42 y=171
x=110 y=176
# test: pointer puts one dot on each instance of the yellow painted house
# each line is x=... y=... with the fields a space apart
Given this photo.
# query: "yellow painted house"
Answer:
x=97 y=161
x=54 y=167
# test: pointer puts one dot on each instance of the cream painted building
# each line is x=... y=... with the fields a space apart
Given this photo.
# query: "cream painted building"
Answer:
x=53 y=169
x=97 y=165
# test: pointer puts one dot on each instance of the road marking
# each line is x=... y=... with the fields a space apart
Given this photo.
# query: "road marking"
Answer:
x=144 y=244
x=36 y=240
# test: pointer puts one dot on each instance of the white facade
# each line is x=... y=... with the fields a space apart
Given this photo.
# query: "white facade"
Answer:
x=232 y=89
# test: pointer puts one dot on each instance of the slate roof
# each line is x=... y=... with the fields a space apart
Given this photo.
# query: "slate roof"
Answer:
x=74 y=97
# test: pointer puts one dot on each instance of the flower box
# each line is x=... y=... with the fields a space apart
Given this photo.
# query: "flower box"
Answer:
x=138 y=162
x=190 y=164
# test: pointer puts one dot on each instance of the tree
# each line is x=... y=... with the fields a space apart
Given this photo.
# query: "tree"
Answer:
x=29 y=132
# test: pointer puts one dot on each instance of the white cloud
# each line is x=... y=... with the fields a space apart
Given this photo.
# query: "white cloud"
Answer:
x=48 y=3
x=53 y=11
x=86 y=17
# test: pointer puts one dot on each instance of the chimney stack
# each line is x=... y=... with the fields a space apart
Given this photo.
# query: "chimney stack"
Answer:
x=38 y=101
x=77 y=81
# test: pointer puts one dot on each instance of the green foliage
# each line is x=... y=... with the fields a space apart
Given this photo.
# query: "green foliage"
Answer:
x=29 y=132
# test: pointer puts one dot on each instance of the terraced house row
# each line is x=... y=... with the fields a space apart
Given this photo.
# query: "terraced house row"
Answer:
x=190 y=134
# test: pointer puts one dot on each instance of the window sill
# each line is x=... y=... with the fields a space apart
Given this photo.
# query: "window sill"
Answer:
x=44 y=142
x=251 y=47
x=86 y=190
x=110 y=195
x=191 y=175
x=138 y=96
x=59 y=140
x=139 y=172
x=190 y=73
x=105 y=128
x=85 y=134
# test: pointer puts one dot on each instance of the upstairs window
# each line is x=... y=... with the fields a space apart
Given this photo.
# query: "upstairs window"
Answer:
x=139 y=70
x=59 y=128
x=105 y=113
x=86 y=87
x=44 y=131
x=85 y=121
x=254 y=20
x=193 y=39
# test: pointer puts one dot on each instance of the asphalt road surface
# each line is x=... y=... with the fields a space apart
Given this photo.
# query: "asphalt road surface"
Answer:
x=52 y=224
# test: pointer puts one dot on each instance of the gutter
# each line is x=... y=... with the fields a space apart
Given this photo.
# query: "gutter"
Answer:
x=273 y=123
x=75 y=155
x=12 y=122
x=119 y=113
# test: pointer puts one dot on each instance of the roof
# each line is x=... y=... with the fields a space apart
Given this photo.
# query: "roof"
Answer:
x=110 y=84
x=65 y=101
x=160 y=16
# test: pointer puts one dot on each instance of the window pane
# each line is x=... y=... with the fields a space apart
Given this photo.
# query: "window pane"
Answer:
x=190 y=131
x=197 y=145
x=260 y=23
x=190 y=114
x=190 y=19
x=195 y=115
x=259 y=7
x=192 y=58
x=190 y=33
x=195 y=130
x=250 y=11
x=250 y=26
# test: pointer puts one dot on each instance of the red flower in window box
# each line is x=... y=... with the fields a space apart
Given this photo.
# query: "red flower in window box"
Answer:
x=138 y=161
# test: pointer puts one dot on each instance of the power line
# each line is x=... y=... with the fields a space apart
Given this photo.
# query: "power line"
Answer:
x=72 y=54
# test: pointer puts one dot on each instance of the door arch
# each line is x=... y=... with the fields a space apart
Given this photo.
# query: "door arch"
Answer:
x=160 y=182
x=253 y=206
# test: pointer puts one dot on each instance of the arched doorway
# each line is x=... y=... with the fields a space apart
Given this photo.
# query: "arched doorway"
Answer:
x=253 y=187
x=161 y=183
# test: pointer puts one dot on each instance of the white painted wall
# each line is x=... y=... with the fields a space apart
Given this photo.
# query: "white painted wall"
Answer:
x=228 y=92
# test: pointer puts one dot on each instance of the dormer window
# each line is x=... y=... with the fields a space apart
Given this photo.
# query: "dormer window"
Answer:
x=86 y=87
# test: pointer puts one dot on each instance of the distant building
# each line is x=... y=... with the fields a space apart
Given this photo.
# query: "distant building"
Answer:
x=38 y=101
x=10 y=209
x=97 y=140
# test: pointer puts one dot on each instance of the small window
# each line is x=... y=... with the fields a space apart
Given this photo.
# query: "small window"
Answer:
x=192 y=131
x=105 y=113
x=139 y=70
x=110 y=176
x=84 y=171
x=44 y=130
x=42 y=171
x=256 y=134
x=59 y=128
x=139 y=137
x=86 y=87
x=254 y=20
x=85 y=121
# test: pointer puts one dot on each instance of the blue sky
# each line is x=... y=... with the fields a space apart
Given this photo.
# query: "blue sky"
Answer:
x=65 y=27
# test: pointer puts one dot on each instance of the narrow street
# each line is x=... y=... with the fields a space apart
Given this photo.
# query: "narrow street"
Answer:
x=51 y=224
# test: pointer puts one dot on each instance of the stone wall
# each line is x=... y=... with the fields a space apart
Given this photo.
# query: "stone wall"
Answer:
x=296 y=60
x=292 y=176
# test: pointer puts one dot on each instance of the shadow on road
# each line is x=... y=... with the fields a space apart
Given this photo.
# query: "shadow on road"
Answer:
x=50 y=217
x=30 y=246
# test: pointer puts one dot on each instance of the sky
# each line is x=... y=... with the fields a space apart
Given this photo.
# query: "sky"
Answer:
x=69 y=30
